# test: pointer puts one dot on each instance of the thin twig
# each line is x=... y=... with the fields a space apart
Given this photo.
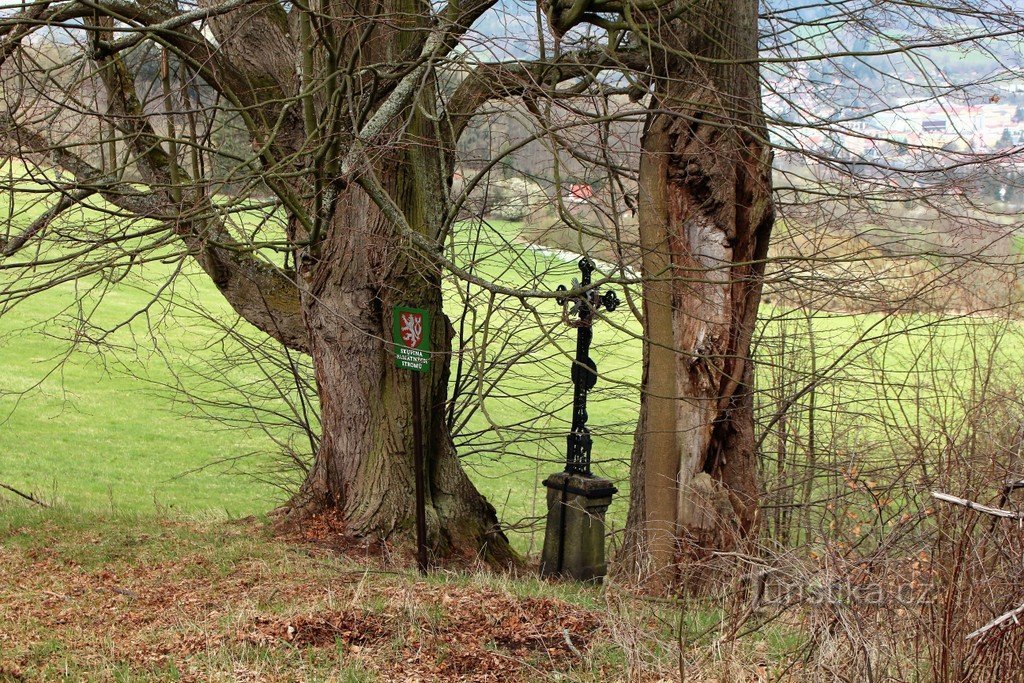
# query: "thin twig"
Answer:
x=568 y=642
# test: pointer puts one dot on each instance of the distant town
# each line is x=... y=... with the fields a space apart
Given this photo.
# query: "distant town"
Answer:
x=991 y=122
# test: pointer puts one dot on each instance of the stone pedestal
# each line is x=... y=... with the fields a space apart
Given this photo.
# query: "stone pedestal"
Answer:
x=574 y=538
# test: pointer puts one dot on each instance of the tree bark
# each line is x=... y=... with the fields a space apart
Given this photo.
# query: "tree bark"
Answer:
x=350 y=281
x=705 y=216
x=364 y=468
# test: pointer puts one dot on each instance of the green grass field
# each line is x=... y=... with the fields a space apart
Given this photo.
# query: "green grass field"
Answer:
x=106 y=426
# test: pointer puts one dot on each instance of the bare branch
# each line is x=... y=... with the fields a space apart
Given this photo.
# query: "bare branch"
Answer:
x=977 y=507
x=66 y=201
x=27 y=496
x=1002 y=619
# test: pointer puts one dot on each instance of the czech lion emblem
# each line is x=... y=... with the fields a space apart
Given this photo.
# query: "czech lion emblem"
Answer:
x=411 y=329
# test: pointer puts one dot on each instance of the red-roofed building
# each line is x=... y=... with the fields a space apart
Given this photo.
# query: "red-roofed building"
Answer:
x=580 y=192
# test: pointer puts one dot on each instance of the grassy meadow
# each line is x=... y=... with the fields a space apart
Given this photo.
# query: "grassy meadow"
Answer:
x=125 y=405
x=114 y=424
x=106 y=425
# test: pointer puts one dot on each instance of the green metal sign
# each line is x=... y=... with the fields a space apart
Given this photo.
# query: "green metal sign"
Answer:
x=411 y=334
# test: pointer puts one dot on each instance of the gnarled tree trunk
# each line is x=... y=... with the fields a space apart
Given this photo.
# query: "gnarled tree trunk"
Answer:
x=350 y=279
x=705 y=217
x=364 y=467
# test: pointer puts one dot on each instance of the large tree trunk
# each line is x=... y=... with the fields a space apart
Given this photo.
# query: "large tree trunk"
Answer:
x=350 y=281
x=364 y=467
x=705 y=217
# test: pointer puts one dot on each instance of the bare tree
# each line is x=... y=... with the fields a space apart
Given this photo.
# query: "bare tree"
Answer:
x=302 y=155
x=312 y=159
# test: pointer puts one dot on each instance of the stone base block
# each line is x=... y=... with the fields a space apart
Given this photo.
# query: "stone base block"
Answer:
x=574 y=538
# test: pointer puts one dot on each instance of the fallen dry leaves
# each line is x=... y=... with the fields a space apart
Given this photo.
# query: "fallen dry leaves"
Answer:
x=185 y=612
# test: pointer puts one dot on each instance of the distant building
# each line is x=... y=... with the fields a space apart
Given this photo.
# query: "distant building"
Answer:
x=579 y=193
x=934 y=125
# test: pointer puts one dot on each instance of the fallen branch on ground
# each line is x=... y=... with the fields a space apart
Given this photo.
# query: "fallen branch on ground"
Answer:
x=27 y=496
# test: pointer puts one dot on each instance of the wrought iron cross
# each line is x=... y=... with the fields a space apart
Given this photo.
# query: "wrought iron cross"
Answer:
x=579 y=312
